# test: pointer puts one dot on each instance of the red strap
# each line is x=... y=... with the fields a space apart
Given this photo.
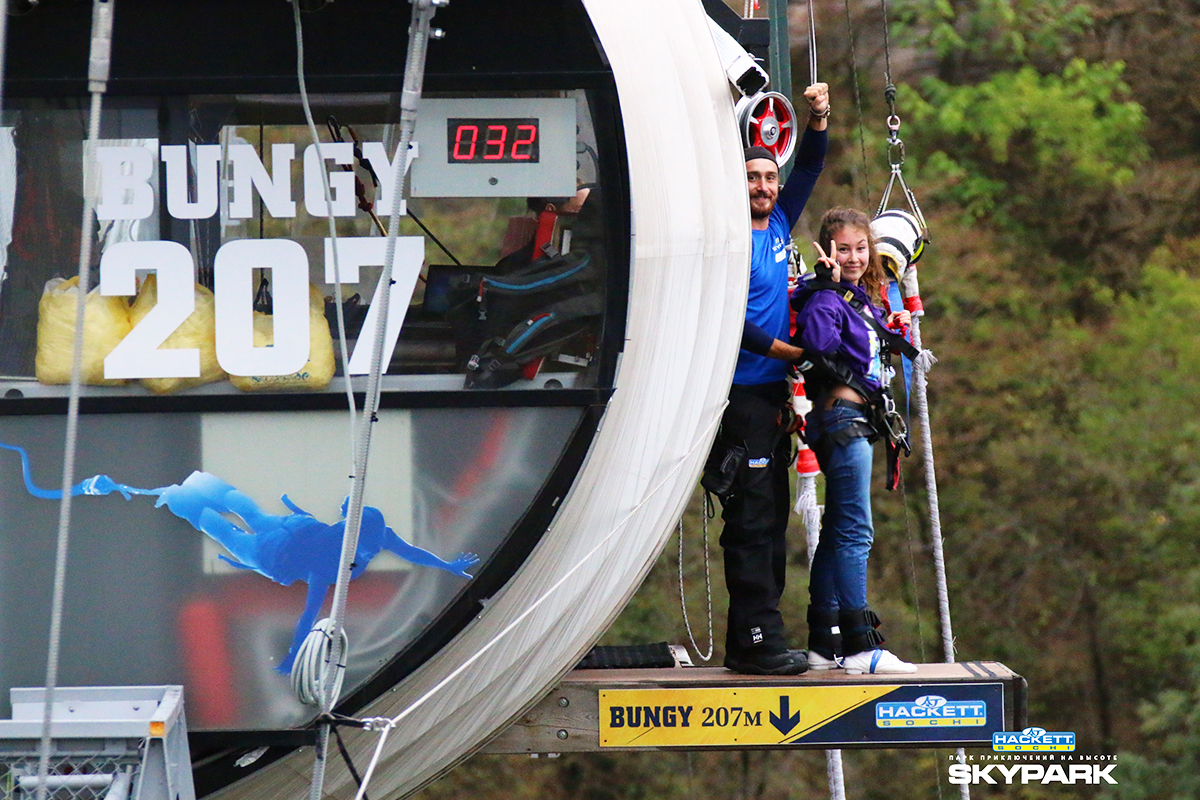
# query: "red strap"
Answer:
x=545 y=233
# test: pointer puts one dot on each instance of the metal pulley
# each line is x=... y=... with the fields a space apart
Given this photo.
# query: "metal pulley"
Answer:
x=768 y=120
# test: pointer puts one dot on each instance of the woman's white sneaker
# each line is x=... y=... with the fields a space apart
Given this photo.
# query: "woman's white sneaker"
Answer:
x=873 y=662
x=816 y=661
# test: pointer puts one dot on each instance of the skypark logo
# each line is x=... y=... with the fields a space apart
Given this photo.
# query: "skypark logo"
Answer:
x=1033 y=740
x=974 y=774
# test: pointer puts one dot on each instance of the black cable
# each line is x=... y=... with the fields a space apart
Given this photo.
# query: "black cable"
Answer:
x=349 y=761
x=887 y=50
x=862 y=139
x=436 y=241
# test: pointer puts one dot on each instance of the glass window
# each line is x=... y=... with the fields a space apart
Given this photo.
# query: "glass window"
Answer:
x=216 y=266
x=158 y=591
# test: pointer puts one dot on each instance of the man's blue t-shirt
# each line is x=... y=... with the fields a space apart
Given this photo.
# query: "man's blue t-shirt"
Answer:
x=767 y=302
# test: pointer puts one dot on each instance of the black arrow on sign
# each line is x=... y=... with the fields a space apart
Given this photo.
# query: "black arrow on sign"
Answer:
x=782 y=721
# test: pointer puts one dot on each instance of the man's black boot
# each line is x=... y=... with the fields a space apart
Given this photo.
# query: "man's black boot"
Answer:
x=750 y=662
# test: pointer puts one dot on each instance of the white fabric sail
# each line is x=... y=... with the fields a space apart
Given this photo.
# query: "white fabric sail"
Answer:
x=691 y=251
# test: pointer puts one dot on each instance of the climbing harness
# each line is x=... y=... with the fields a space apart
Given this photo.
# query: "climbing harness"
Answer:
x=881 y=415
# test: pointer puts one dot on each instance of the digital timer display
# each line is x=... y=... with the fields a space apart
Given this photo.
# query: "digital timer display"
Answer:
x=492 y=141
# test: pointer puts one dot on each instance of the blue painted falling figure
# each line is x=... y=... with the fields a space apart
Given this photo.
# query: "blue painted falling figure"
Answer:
x=286 y=549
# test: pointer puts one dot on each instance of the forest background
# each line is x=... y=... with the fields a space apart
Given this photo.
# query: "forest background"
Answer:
x=1054 y=146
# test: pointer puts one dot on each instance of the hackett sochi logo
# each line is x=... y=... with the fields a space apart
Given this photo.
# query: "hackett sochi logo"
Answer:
x=930 y=711
x=1033 y=739
x=1031 y=773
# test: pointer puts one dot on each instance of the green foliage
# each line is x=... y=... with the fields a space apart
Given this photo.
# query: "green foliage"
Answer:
x=993 y=32
x=995 y=147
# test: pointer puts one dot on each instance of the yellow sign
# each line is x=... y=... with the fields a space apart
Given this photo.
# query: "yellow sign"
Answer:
x=716 y=717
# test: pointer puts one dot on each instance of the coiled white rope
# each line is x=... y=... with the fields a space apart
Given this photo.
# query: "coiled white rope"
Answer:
x=314 y=662
x=385 y=725
x=98 y=63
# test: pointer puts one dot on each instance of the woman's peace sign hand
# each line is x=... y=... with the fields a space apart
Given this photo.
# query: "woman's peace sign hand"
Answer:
x=827 y=263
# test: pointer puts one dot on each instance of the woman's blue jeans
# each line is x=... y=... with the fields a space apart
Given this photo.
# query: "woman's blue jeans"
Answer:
x=838 y=577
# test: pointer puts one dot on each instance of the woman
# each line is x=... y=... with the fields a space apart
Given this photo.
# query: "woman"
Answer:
x=846 y=381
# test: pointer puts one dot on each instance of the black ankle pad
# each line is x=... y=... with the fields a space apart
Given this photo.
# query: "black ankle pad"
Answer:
x=822 y=617
x=857 y=642
x=858 y=630
x=862 y=618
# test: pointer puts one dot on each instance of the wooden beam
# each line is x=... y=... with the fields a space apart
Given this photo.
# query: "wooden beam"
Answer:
x=941 y=705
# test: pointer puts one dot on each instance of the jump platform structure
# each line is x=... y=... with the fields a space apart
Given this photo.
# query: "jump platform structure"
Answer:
x=941 y=705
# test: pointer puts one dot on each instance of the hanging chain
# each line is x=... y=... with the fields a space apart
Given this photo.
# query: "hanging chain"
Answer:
x=707 y=590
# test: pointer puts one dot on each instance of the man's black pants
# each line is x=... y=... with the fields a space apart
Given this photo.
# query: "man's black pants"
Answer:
x=756 y=517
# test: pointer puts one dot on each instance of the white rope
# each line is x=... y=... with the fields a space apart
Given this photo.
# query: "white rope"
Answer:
x=385 y=725
x=921 y=366
x=313 y=664
x=806 y=506
x=414 y=71
x=98 y=61
x=337 y=272
x=833 y=771
x=319 y=668
x=410 y=96
x=707 y=590
x=810 y=512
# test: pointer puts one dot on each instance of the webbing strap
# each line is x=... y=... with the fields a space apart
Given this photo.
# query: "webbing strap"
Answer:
x=894 y=341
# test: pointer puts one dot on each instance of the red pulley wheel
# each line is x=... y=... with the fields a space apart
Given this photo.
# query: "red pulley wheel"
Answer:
x=768 y=120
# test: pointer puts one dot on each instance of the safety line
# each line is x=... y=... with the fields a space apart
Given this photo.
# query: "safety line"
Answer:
x=3 y=43
x=337 y=272
x=98 y=62
x=329 y=676
x=385 y=725
x=887 y=49
x=806 y=505
x=935 y=521
x=707 y=591
x=862 y=140
x=812 y=42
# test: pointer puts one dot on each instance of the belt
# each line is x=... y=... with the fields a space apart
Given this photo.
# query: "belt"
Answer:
x=839 y=402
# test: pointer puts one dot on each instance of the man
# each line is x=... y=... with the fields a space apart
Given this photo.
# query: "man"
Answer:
x=756 y=510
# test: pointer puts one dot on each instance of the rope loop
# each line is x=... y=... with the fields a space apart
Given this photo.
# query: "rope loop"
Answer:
x=311 y=668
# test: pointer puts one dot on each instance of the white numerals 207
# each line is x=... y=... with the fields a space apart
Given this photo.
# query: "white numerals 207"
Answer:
x=139 y=354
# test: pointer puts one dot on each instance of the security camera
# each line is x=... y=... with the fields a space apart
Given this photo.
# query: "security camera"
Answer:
x=740 y=67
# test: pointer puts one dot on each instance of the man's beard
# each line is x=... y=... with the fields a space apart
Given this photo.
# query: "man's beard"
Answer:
x=760 y=200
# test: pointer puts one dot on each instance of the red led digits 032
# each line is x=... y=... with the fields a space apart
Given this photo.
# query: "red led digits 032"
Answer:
x=476 y=141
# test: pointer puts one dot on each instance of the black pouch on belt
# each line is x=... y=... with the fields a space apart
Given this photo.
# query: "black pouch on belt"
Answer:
x=721 y=468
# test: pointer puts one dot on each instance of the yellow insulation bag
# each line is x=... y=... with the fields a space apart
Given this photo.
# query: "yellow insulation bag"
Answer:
x=316 y=374
x=105 y=324
x=198 y=331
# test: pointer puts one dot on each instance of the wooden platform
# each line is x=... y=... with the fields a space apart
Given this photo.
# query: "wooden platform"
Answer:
x=941 y=705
